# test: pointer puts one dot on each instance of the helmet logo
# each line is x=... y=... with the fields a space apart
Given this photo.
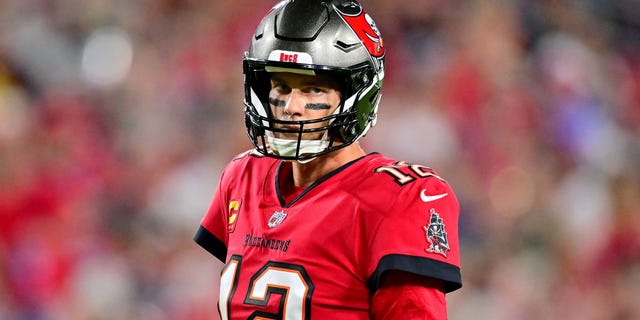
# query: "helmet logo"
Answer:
x=364 y=27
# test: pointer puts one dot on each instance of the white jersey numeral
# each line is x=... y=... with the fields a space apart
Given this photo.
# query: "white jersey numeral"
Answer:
x=288 y=281
x=400 y=177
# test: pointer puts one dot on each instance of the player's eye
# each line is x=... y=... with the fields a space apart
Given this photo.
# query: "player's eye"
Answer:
x=280 y=87
x=283 y=89
x=315 y=90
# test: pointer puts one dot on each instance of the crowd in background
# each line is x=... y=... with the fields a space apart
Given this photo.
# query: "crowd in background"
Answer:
x=117 y=117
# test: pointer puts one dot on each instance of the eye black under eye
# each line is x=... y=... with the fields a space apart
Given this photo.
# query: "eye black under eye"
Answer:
x=318 y=106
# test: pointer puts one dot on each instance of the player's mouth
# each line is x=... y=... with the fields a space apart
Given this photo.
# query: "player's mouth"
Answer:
x=291 y=132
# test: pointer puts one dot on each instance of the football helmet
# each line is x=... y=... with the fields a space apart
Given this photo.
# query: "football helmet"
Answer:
x=313 y=37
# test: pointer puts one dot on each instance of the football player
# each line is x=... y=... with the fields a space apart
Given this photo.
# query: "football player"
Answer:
x=308 y=224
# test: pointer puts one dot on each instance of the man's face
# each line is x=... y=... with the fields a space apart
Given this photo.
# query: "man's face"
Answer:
x=296 y=97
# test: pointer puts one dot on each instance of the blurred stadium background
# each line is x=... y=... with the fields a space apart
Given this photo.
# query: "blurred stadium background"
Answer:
x=116 y=118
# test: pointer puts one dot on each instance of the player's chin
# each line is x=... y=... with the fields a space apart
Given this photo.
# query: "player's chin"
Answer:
x=312 y=136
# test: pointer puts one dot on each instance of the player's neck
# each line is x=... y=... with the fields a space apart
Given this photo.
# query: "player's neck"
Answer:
x=304 y=174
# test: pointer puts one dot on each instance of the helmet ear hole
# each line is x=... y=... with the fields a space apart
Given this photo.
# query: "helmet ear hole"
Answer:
x=361 y=79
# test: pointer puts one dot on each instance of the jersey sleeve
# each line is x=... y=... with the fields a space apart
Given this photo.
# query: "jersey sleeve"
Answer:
x=418 y=234
x=212 y=233
x=409 y=296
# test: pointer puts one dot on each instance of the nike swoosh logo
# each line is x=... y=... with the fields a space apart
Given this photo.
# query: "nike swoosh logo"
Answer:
x=427 y=198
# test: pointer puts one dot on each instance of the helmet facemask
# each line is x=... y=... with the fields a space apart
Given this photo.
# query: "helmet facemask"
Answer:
x=345 y=125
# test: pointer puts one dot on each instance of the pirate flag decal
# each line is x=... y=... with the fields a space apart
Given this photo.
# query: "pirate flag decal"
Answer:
x=364 y=27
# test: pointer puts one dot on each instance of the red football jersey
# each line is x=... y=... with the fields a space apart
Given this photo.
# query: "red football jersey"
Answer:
x=323 y=253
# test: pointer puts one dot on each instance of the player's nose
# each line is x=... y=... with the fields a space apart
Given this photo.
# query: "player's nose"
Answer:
x=295 y=103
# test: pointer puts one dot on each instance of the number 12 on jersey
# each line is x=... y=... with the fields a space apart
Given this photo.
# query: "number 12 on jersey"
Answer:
x=275 y=280
x=402 y=178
